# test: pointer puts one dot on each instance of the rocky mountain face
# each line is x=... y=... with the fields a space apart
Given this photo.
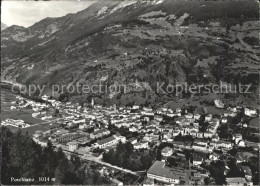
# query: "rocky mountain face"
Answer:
x=137 y=43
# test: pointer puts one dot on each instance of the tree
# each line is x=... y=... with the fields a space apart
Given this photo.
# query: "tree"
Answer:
x=75 y=160
x=99 y=180
x=22 y=157
x=96 y=178
x=216 y=169
x=60 y=172
x=60 y=155
x=206 y=180
x=234 y=170
x=233 y=152
x=50 y=146
x=121 y=159
x=124 y=156
x=109 y=124
x=203 y=125
x=120 y=148
x=223 y=132
x=108 y=156
x=158 y=155
x=172 y=162
x=253 y=163
x=56 y=112
x=129 y=148
x=146 y=161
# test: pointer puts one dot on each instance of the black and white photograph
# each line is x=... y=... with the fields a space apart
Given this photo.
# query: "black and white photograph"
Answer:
x=130 y=92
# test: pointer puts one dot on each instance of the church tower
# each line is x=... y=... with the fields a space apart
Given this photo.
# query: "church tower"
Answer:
x=92 y=103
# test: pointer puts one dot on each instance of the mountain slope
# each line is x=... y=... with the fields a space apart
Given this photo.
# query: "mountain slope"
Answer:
x=138 y=43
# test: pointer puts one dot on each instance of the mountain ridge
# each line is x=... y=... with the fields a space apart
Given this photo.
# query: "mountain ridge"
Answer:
x=121 y=42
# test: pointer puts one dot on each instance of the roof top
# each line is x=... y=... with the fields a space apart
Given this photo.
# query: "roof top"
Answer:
x=197 y=158
x=158 y=168
x=106 y=140
x=72 y=143
x=200 y=145
x=166 y=149
x=31 y=130
x=247 y=169
x=236 y=180
x=96 y=132
x=103 y=130
x=117 y=135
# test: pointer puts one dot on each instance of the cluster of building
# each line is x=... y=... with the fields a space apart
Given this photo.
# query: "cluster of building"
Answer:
x=88 y=128
x=27 y=103
x=191 y=172
x=14 y=123
x=39 y=110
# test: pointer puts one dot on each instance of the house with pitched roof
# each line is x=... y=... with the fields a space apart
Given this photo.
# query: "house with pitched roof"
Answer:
x=167 y=152
x=107 y=142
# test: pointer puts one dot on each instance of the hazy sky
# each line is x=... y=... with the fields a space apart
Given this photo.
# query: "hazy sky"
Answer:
x=26 y=13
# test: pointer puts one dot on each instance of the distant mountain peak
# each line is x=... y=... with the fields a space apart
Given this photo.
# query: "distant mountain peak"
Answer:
x=3 y=26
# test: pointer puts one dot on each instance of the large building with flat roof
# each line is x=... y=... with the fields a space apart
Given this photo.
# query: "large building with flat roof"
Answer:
x=238 y=181
x=160 y=172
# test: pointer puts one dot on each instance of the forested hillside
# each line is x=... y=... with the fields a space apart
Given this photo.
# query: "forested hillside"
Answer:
x=23 y=158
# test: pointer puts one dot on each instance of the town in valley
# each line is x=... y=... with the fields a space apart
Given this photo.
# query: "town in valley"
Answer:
x=130 y=92
x=185 y=145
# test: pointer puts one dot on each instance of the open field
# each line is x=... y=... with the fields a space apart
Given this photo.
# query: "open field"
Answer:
x=16 y=114
x=6 y=98
x=42 y=127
